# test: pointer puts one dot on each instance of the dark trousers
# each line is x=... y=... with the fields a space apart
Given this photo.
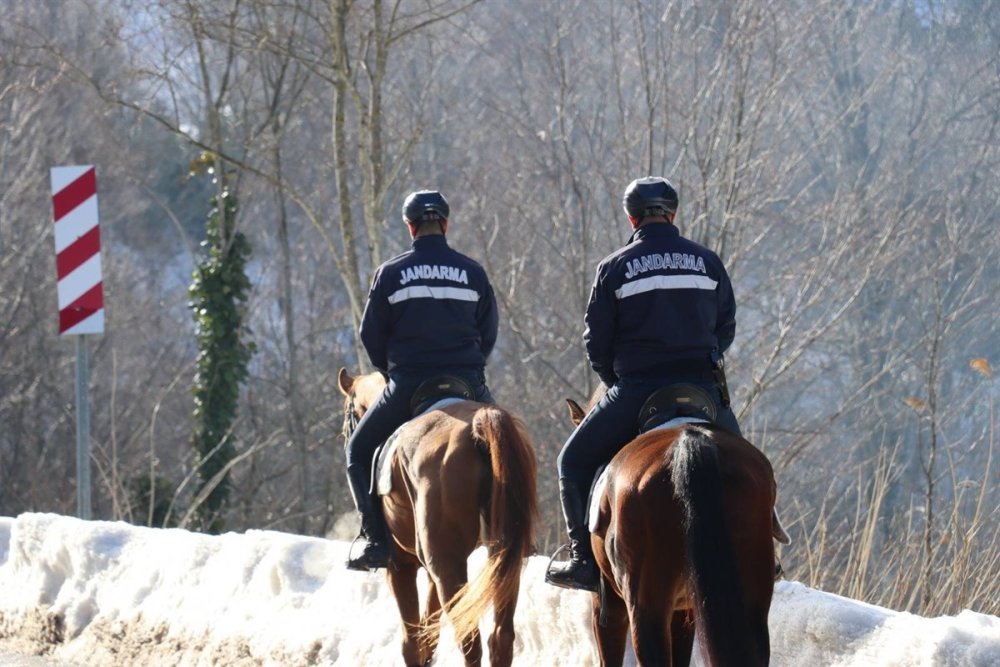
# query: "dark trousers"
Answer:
x=392 y=409
x=613 y=423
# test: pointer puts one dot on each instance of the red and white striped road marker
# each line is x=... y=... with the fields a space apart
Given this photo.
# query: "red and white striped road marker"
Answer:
x=78 y=250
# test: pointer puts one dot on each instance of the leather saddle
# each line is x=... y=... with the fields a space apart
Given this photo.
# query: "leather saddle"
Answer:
x=438 y=388
x=676 y=400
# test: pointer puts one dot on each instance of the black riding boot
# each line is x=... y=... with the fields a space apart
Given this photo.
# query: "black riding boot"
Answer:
x=376 y=551
x=580 y=571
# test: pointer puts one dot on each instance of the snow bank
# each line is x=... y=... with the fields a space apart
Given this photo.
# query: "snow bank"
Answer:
x=103 y=593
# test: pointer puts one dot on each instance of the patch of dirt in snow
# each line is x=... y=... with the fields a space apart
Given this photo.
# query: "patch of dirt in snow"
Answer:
x=135 y=642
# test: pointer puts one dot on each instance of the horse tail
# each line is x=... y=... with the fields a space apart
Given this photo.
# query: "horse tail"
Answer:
x=513 y=509
x=717 y=595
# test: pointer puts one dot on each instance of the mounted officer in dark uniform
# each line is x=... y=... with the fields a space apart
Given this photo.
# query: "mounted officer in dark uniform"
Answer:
x=430 y=312
x=661 y=312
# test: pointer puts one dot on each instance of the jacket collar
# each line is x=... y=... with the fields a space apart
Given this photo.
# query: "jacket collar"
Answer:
x=431 y=241
x=658 y=230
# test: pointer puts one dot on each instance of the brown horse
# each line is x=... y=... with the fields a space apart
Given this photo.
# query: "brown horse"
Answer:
x=684 y=542
x=462 y=475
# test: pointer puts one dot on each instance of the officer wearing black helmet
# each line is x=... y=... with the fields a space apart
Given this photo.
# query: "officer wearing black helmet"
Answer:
x=661 y=311
x=430 y=312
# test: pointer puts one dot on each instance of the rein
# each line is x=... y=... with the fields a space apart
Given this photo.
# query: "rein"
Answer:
x=351 y=418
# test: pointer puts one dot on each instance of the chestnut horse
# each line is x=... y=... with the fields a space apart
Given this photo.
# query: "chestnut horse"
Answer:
x=683 y=540
x=462 y=475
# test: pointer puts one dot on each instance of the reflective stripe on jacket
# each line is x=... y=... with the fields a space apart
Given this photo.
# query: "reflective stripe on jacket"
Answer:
x=662 y=300
x=429 y=307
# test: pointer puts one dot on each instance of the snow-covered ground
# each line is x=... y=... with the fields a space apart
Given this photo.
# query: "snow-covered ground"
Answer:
x=102 y=593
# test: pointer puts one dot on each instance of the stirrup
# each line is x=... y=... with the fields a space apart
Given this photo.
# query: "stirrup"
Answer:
x=552 y=559
x=559 y=584
x=362 y=563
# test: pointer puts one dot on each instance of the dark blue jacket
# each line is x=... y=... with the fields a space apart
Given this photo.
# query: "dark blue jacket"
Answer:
x=660 y=305
x=431 y=307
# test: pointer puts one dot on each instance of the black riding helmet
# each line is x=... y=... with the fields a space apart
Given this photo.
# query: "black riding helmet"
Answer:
x=649 y=196
x=425 y=205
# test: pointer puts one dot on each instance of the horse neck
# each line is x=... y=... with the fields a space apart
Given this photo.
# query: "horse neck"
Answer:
x=368 y=387
x=596 y=397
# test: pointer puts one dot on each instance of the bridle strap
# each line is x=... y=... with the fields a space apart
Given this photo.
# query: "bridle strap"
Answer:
x=350 y=419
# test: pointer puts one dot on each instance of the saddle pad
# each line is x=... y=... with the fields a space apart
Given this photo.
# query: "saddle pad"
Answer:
x=595 y=499
x=383 y=474
x=443 y=403
x=678 y=421
x=383 y=478
x=602 y=481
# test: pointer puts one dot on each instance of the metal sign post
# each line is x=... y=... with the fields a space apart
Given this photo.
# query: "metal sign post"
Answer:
x=81 y=294
x=82 y=430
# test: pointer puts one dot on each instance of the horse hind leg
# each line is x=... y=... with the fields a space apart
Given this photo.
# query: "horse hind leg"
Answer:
x=758 y=589
x=444 y=544
x=650 y=603
x=612 y=635
x=651 y=636
x=447 y=567
x=430 y=631
x=449 y=580
x=501 y=641
x=403 y=586
x=757 y=609
x=682 y=637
